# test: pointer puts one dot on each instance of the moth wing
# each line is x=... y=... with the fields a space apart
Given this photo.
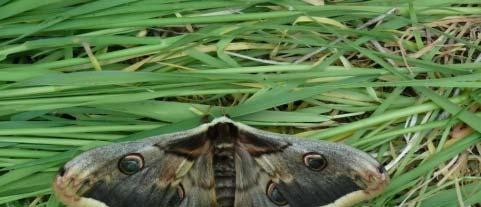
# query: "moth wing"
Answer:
x=282 y=178
x=93 y=179
x=198 y=184
x=251 y=181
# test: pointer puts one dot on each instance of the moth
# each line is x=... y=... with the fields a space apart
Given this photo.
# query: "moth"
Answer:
x=223 y=164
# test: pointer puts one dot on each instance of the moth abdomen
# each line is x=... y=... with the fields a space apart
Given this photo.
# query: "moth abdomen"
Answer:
x=224 y=176
x=224 y=165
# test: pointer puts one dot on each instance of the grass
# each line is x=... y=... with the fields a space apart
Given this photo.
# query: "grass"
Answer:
x=398 y=79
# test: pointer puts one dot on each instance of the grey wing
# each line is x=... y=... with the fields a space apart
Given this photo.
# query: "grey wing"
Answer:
x=171 y=174
x=304 y=173
x=199 y=184
x=251 y=182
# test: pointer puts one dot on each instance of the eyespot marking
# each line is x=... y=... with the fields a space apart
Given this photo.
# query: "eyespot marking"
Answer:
x=179 y=196
x=131 y=163
x=275 y=195
x=315 y=161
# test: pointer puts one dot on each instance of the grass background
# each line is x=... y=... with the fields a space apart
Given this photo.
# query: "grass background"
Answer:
x=398 y=79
